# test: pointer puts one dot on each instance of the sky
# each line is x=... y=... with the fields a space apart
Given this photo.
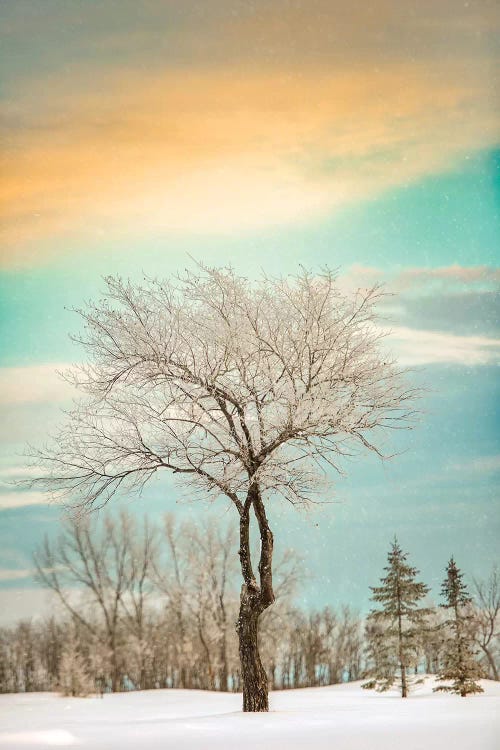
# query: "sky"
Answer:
x=138 y=136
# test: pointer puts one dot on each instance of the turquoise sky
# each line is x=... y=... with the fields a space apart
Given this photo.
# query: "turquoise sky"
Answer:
x=264 y=135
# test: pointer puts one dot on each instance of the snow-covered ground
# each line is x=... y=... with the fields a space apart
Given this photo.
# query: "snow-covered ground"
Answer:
x=341 y=717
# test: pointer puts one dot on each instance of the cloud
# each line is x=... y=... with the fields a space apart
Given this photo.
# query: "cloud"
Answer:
x=442 y=315
x=253 y=116
x=461 y=300
x=305 y=31
x=480 y=465
x=10 y=574
x=236 y=32
x=421 y=347
x=31 y=399
x=13 y=473
x=455 y=272
x=21 y=499
x=469 y=312
x=416 y=278
x=16 y=574
x=34 y=383
x=21 y=603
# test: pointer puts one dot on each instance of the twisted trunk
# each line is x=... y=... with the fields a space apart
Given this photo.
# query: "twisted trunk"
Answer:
x=254 y=599
x=254 y=677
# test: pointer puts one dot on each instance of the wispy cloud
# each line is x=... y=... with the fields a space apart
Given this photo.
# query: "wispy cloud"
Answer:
x=239 y=33
x=20 y=499
x=13 y=473
x=483 y=465
x=18 y=603
x=35 y=383
x=11 y=574
x=461 y=303
x=422 y=347
x=454 y=273
x=419 y=278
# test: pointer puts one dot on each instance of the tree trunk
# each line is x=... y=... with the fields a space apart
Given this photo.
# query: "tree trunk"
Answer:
x=223 y=672
x=116 y=682
x=273 y=676
x=253 y=674
x=404 y=685
x=254 y=599
x=491 y=663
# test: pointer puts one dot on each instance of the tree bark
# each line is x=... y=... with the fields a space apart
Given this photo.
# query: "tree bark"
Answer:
x=223 y=672
x=254 y=599
x=253 y=674
x=404 y=686
x=116 y=682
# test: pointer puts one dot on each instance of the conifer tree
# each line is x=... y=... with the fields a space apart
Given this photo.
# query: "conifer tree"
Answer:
x=395 y=630
x=459 y=662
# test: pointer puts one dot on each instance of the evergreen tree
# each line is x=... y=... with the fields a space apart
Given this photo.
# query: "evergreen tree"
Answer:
x=394 y=632
x=459 y=662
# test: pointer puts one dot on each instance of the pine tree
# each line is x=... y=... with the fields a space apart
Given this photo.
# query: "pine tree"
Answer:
x=459 y=662
x=394 y=632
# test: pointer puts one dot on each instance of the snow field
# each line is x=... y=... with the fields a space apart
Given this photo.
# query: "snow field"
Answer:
x=340 y=717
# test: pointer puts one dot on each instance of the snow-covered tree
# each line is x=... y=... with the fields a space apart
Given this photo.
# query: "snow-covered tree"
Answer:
x=433 y=641
x=396 y=630
x=381 y=657
x=460 y=665
x=245 y=391
x=74 y=677
x=487 y=621
x=110 y=565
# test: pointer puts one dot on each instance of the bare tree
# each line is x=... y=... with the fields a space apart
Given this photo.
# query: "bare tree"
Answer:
x=320 y=648
x=486 y=619
x=213 y=551
x=174 y=579
x=197 y=575
x=140 y=562
x=244 y=390
x=74 y=678
x=434 y=640
x=109 y=568
x=346 y=645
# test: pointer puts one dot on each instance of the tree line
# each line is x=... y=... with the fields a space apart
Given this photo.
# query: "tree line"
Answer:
x=144 y=606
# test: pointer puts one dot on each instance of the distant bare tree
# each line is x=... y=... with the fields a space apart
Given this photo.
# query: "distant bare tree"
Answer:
x=74 y=678
x=197 y=575
x=140 y=589
x=173 y=576
x=319 y=648
x=213 y=549
x=244 y=390
x=434 y=640
x=487 y=619
x=107 y=566
x=346 y=646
